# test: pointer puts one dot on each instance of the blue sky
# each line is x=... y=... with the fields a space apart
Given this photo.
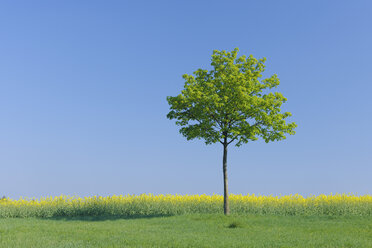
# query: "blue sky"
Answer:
x=83 y=88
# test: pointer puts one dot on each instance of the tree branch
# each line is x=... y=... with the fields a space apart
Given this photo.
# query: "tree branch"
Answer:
x=215 y=119
x=236 y=136
x=228 y=143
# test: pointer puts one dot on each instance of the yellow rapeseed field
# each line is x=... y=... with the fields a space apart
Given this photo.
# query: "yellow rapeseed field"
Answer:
x=163 y=205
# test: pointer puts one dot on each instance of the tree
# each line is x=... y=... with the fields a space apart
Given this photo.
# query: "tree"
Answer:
x=228 y=104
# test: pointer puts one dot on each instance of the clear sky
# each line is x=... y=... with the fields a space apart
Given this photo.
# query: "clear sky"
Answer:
x=83 y=87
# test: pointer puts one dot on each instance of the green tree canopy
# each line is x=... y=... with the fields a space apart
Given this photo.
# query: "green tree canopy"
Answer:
x=229 y=102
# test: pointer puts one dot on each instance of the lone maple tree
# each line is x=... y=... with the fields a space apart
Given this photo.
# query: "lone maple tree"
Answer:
x=228 y=104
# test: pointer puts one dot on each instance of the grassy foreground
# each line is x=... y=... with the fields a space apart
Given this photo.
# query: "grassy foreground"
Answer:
x=196 y=230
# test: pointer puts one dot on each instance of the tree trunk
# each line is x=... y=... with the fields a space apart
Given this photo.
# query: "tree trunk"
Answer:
x=226 y=208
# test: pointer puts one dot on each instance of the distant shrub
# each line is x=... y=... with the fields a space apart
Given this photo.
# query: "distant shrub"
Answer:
x=235 y=224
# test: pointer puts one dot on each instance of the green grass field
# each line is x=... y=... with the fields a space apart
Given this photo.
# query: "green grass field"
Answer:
x=198 y=230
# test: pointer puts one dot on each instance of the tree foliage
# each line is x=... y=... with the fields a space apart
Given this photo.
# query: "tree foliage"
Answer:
x=230 y=103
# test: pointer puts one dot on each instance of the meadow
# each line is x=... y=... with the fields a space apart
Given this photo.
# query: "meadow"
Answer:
x=147 y=220
x=195 y=230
